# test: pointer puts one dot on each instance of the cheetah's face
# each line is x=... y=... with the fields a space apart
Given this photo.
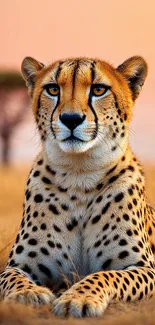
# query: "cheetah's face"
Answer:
x=83 y=103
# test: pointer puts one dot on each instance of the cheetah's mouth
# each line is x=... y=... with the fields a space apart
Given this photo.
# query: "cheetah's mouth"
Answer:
x=73 y=144
x=74 y=141
x=72 y=138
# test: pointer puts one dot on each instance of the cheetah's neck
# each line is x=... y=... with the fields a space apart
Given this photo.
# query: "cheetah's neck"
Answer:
x=86 y=170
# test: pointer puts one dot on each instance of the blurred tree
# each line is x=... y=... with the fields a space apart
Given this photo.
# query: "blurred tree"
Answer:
x=14 y=104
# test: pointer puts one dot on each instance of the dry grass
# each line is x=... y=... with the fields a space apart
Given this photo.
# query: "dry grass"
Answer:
x=142 y=313
x=11 y=197
x=12 y=182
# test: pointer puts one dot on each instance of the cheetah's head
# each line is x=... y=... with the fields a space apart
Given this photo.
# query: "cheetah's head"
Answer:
x=81 y=103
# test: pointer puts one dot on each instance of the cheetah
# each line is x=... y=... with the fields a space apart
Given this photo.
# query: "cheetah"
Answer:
x=87 y=235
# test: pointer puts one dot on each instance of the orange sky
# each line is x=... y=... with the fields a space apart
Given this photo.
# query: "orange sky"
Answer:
x=113 y=30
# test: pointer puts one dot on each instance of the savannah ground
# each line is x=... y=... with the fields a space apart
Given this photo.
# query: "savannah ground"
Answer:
x=12 y=182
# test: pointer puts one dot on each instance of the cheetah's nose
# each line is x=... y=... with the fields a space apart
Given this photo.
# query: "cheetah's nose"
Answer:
x=72 y=120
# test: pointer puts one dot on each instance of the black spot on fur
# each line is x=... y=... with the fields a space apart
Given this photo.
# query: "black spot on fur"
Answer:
x=99 y=186
x=70 y=226
x=106 y=207
x=54 y=209
x=119 y=197
x=38 y=198
x=56 y=228
x=96 y=219
x=19 y=249
x=32 y=242
x=123 y=254
x=46 y=180
x=44 y=269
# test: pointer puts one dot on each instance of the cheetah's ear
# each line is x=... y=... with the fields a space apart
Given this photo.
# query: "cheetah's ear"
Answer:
x=29 y=68
x=135 y=71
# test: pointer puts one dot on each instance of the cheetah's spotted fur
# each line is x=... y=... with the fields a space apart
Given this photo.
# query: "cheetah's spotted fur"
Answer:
x=87 y=233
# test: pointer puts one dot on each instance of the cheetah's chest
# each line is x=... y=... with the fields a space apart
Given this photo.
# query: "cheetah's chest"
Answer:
x=73 y=242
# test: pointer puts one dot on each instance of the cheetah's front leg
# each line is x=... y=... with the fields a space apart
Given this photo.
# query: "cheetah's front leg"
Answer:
x=16 y=286
x=91 y=296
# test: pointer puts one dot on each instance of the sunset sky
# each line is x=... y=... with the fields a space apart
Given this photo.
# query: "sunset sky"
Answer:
x=111 y=30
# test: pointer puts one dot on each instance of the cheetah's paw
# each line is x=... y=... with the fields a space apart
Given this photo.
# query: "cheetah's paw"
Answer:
x=36 y=296
x=76 y=304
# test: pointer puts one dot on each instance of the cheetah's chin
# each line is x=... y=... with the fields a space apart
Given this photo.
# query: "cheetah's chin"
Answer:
x=75 y=146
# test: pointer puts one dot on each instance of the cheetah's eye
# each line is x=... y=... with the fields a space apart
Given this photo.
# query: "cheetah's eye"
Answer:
x=52 y=89
x=99 y=89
